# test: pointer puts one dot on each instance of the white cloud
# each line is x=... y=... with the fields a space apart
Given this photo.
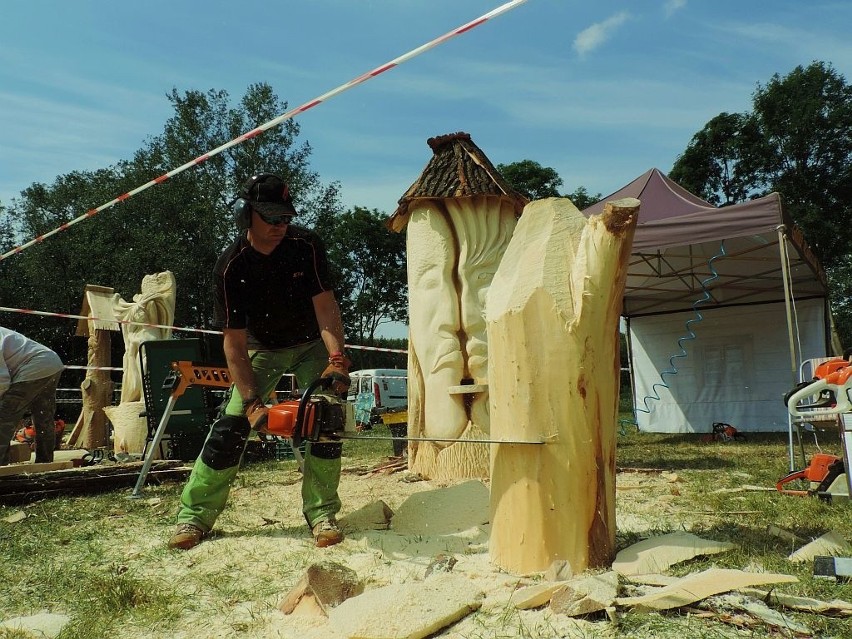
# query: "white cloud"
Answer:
x=671 y=6
x=594 y=36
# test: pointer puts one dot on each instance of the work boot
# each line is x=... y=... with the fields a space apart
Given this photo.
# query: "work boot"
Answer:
x=326 y=533
x=186 y=536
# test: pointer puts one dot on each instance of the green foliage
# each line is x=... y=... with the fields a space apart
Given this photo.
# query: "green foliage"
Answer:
x=582 y=199
x=369 y=270
x=181 y=225
x=805 y=118
x=720 y=162
x=531 y=179
x=392 y=354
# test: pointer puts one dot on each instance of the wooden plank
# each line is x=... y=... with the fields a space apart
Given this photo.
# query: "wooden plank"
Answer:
x=30 y=468
x=23 y=488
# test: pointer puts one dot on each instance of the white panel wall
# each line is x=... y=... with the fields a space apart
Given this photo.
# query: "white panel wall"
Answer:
x=736 y=370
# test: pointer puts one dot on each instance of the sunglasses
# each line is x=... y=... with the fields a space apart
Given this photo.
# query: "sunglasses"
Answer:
x=275 y=219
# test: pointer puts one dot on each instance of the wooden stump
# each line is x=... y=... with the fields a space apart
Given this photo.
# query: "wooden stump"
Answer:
x=553 y=333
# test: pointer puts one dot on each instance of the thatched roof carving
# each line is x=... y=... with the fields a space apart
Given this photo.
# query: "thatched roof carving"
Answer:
x=458 y=169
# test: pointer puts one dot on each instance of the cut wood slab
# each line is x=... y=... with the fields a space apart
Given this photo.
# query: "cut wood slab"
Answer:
x=701 y=585
x=323 y=586
x=536 y=595
x=833 y=608
x=658 y=553
x=374 y=516
x=831 y=544
x=586 y=595
x=407 y=611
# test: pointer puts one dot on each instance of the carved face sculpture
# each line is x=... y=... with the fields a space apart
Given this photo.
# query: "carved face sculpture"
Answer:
x=454 y=248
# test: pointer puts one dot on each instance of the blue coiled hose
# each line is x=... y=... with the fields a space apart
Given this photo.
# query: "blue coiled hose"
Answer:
x=690 y=334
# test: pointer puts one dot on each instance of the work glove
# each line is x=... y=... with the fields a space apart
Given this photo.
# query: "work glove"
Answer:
x=257 y=413
x=338 y=371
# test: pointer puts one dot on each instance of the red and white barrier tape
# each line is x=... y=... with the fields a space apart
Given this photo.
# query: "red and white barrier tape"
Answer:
x=109 y=319
x=28 y=311
x=274 y=122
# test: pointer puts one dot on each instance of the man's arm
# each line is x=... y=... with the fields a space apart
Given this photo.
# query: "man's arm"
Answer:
x=235 y=346
x=329 y=321
x=331 y=329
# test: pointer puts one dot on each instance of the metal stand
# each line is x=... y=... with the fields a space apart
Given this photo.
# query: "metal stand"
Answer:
x=844 y=420
x=154 y=446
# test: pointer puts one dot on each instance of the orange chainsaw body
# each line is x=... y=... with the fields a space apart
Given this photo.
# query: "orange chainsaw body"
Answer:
x=822 y=470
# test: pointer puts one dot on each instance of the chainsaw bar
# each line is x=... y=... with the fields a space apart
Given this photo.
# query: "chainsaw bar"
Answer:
x=440 y=439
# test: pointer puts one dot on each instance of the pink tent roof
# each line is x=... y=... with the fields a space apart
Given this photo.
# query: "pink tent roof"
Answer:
x=678 y=235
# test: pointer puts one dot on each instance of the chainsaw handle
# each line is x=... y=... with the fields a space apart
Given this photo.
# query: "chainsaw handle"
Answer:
x=841 y=398
x=324 y=382
x=805 y=392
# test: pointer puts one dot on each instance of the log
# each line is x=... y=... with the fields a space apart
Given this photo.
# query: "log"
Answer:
x=23 y=488
x=552 y=315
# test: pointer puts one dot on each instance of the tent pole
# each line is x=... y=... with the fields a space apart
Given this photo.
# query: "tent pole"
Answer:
x=788 y=303
x=782 y=247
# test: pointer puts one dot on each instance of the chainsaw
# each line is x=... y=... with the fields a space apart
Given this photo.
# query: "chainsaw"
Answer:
x=314 y=417
x=822 y=472
x=826 y=394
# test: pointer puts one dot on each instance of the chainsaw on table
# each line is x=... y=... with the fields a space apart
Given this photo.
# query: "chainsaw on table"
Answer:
x=825 y=395
x=824 y=475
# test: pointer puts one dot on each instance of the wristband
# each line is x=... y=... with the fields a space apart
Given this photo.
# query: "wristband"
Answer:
x=336 y=356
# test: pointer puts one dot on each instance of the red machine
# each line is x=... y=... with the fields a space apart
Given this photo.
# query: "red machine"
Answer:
x=826 y=394
x=313 y=417
x=830 y=386
x=823 y=470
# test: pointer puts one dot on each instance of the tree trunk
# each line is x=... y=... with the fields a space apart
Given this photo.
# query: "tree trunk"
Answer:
x=552 y=314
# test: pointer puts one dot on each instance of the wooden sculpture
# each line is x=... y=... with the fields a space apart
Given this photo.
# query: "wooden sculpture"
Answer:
x=155 y=304
x=552 y=314
x=459 y=217
x=90 y=431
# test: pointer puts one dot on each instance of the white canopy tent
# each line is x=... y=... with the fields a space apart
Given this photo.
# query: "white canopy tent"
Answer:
x=721 y=305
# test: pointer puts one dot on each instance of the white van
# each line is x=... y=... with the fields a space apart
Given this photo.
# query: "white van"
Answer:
x=377 y=390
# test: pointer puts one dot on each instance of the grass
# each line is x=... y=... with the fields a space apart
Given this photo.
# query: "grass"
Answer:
x=64 y=555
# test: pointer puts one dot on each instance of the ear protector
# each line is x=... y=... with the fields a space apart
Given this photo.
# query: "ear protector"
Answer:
x=241 y=207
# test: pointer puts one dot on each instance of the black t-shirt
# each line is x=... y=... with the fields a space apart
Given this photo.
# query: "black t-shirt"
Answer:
x=271 y=295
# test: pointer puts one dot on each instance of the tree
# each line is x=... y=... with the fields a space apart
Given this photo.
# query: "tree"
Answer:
x=181 y=225
x=368 y=263
x=532 y=179
x=805 y=119
x=582 y=199
x=720 y=164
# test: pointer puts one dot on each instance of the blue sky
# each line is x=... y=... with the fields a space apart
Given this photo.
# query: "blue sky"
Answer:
x=600 y=91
